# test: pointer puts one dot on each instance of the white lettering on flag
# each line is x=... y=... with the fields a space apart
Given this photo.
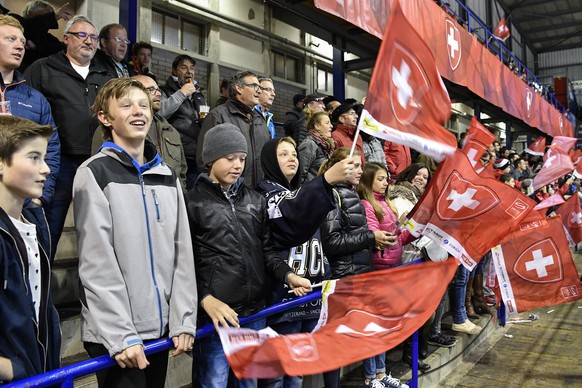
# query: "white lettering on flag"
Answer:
x=539 y=263
x=462 y=200
x=400 y=79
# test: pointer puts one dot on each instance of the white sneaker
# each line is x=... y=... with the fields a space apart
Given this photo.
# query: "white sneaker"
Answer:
x=391 y=382
x=467 y=327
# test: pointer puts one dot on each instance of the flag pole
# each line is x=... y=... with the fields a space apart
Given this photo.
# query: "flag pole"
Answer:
x=355 y=141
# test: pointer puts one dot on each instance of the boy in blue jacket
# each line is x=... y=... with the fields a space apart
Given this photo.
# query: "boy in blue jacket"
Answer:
x=30 y=337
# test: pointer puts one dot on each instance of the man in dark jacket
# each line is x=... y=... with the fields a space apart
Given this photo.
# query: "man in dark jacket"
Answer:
x=181 y=107
x=70 y=81
x=25 y=101
x=243 y=92
x=113 y=45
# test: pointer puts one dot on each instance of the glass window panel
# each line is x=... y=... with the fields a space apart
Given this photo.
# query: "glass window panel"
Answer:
x=191 y=37
x=171 y=32
x=157 y=27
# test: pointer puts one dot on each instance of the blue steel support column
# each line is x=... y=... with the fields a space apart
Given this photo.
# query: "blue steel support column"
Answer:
x=128 y=18
x=339 y=85
x=508 y=140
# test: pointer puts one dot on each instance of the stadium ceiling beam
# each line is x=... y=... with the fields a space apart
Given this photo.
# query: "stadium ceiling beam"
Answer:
x=531 y=16
x=360 y=64
x=534 y=30
x=326 y=26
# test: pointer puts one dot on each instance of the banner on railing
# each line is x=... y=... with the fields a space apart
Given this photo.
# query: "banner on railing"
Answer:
x=461 y=58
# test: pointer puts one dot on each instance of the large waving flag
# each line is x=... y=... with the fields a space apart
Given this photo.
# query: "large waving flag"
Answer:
x=407 y=102
x=557 y=164
x=359 y=319
x=537 y=147
x=462 y=210
x=534 y=267
x=477 y=141
x=571 y=213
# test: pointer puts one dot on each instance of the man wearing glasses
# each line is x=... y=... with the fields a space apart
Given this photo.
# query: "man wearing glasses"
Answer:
x=243 y=95
x=70 y=81
x=266 y=99
x=113 y=45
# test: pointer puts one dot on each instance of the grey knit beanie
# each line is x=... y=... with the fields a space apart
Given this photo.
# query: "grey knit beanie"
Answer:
x=221 y=140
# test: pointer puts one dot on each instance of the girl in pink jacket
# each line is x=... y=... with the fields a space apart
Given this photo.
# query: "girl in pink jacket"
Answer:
x=381 y=214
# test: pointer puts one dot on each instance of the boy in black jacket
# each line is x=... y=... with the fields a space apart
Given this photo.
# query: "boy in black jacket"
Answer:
x=232 y=250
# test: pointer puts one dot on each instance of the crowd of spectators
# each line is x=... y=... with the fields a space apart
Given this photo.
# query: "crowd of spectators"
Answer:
x=187 y=216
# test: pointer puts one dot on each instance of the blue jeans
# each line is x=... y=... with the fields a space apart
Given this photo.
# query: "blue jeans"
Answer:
x=56 y=210
x=373 y=365
x=304 y=326
x=435 y=327
x=210 y=367
x=457 y=292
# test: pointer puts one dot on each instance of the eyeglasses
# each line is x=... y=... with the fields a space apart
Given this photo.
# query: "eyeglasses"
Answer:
x=269 y=90
x=257 y=87
x=151 y=90
x=120 y=39
x=83 y=35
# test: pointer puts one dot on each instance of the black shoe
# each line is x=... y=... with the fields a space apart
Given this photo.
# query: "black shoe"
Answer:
x=422 y=366
x=442 y=340
x=422 y=354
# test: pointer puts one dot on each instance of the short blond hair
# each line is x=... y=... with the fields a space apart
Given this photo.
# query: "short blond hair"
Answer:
x=7 y=20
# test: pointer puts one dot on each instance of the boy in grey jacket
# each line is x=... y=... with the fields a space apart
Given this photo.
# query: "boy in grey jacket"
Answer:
x=135 y=254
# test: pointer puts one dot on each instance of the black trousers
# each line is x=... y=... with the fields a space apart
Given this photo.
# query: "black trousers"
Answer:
x=154 y=376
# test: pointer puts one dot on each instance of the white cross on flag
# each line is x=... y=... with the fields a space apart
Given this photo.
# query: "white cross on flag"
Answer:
x=453 y=44
x=459 y=207
x=571 y=213
x=557 y=164
x=534 y=267
x=407 y=102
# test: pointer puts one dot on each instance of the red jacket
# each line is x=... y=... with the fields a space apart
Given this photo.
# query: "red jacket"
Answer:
x=343 y=135
x=397 y=157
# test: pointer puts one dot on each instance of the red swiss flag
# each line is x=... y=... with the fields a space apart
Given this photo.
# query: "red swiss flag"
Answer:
x=557 y=164
x=501 y=31
x=407 y=102
x=359 y=319
x=459 y=207
x=571 y=213
x=477 y=140
x=534 y=267
x=537 y=147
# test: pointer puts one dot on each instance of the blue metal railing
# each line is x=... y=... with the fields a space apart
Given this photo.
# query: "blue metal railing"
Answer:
x=497 y=47
x=66 y=376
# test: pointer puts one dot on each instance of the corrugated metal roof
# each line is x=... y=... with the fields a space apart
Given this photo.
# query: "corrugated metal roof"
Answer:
x=547 y=25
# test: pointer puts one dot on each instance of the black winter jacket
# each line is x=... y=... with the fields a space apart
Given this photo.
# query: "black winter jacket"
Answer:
x=253 y=127
x=347 y=242
x=32 y=347
x=232 y=246
x=184 y=117
x=70 y=97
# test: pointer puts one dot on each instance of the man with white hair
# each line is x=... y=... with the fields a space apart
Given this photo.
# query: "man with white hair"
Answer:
x=70 y=81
